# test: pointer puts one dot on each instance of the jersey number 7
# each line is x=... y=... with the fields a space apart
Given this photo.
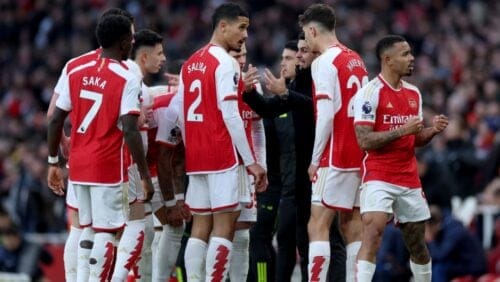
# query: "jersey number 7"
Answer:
x=89 y=117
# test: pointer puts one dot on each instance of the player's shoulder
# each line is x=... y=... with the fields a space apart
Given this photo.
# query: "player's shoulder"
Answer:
x=134 y=68
x=370 y=89
x=410 y=86
x=82 y=59
x=121 y=69
x=221 y=55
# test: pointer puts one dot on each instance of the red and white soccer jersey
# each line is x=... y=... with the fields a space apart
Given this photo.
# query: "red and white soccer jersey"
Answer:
x=72 y=64
x=384 y=108
x=213 y=130
x=97 y=94
x=337 y=75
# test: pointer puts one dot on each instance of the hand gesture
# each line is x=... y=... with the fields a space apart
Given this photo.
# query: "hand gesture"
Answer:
x=439 y=123
x=184 y=211
x=276 y=85
x=172 y=79
x=412 y=126
x=250 y=78
x=260 y=177
x=147 y=189
x=312 y=171
x=55 y=180
x=174 y=216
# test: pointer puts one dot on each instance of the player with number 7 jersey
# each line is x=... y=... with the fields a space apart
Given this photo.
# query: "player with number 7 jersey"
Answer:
x=105 y=90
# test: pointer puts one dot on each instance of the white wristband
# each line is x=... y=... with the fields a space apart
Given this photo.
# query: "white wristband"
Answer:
x=179 y=197
x=170 y=203
x=53 y=160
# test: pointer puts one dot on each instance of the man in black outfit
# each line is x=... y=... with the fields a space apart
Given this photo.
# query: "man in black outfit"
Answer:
x=289 y=121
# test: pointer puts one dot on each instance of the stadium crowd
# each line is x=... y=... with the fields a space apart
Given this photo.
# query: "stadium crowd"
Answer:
x=456 y=44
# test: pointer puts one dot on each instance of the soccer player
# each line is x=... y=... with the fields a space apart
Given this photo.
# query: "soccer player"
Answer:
x=337 y=74
x=102 y=98
x=76 y=233
x=214 y=139
x=147 y=58
x=388 y=123
x=254 y=129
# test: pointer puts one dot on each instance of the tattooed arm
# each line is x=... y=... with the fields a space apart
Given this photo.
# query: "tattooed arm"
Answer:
x=371 y=140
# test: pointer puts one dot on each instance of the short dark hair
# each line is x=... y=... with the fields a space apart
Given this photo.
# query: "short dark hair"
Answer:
x=302 y=36
x=112 y=29
x=292 y=45
x=145 y=37
x=387 y=42
x=227 y=11
x=118 y=11
x=321 y=13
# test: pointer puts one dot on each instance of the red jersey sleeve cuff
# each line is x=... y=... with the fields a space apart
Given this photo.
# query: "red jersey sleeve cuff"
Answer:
x=166 y=144
x=322 y=96
x=231 y=97
x=136 y=113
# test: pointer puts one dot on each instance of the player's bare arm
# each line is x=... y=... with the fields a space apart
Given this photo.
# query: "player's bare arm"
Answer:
x=167 y=180
x=134 y=142
x=55 y=178
x=439 y=123
x=413 y=235
x=371 y=140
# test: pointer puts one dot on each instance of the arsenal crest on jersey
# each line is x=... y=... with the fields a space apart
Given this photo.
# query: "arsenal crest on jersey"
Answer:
x=412 y=103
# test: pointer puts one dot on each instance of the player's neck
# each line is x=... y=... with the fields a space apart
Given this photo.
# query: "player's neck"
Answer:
x=391 y=78
x=326 y=41
x=111 y=54
x=215 y=40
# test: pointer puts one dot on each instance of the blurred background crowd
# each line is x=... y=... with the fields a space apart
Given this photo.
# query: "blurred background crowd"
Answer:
x=456 y=44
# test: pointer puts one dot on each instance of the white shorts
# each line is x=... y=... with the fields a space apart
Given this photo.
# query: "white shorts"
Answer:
x=407 y=205
x=336 y=189
x=248 y=203
x=135 y=192
x=71 y=201
x=213 y=192
x=102 y=207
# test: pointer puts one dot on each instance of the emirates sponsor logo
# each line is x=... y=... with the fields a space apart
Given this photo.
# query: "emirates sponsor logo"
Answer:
x=396 y=121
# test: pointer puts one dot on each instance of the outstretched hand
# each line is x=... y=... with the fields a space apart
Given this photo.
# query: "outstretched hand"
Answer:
x=276 y=85
x=250 y=78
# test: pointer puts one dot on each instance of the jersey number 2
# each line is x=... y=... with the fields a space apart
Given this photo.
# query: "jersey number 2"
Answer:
x=89 y=117
x=195 y=88
x=352 y=82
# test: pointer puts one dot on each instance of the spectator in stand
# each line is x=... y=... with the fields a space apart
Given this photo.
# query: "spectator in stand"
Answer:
x=20 y=256
x=454 y=250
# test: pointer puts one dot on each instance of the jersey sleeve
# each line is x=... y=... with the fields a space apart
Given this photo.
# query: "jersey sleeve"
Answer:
x=63 y=78
x=259 y=142
x=365 y=105
x=130 y=103
x=327 y=104
x=167 y=119
x=227 y=77
x=62 y=89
